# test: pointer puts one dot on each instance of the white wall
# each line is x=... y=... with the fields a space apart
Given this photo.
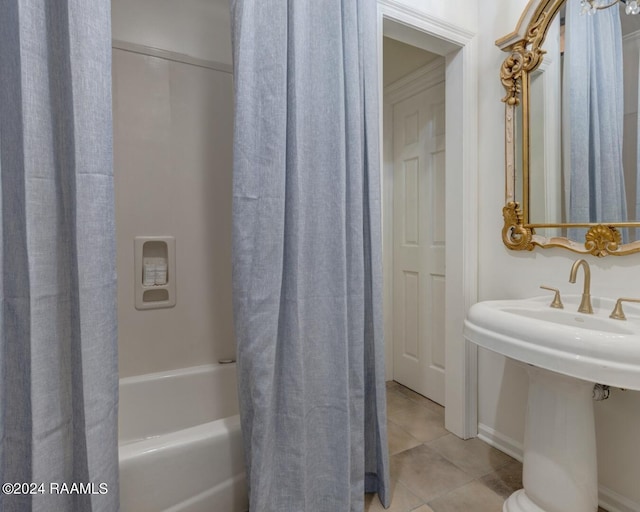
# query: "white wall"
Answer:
x=507 y=274
x=462 y=13
x=173 y=127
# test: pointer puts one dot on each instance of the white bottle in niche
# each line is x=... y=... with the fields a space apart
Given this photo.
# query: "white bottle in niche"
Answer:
x=155 y=285
x=161 y=273
x=149 y=274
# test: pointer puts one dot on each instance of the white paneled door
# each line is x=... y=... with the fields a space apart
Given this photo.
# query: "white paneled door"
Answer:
x=419 y=242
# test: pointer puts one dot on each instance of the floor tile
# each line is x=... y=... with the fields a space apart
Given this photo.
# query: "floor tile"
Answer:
x=402 y=500
x=422 y=423
x=426 y=473
x=397 y=402
x=415 y=397
x=399 y=439
x=473 y=496
x=433 y=470
x=505 y=480
x=473 y=456
x=391 y=384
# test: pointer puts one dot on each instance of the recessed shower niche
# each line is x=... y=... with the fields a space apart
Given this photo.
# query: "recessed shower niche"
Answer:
x=155 y=272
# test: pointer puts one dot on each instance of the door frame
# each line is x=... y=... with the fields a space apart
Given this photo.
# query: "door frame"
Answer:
x=459 y=48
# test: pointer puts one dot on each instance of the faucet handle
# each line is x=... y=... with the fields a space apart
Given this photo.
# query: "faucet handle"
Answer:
x=617 y=312
x=557 y=302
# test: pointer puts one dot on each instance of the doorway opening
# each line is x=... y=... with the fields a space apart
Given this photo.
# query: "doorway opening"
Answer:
x=430 y=210
x=414 y=158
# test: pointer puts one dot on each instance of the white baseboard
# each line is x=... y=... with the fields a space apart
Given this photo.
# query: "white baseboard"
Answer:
x=501 y=442
x=608 y=499
x=614 y=502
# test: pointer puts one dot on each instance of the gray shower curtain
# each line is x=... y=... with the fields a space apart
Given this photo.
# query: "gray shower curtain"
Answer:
x=58 y=359
x=307 y=254
x=593 y=117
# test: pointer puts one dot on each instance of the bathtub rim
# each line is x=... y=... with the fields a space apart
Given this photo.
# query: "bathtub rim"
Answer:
x=176 y=372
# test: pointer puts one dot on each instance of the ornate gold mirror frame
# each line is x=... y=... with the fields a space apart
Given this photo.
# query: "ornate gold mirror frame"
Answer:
x=524 y=46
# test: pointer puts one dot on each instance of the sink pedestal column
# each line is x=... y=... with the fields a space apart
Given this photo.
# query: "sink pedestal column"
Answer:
x=559 y=469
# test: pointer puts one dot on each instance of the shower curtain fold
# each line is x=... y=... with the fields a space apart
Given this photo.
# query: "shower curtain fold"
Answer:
x=58 y=339
x=307 y=254
x=593 y=117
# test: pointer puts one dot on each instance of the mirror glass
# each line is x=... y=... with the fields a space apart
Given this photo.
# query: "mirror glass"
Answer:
x=583 y=108
x=517 y=168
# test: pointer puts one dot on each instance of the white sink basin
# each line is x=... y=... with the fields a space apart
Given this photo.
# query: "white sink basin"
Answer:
x=567 y=353
x=593 y=347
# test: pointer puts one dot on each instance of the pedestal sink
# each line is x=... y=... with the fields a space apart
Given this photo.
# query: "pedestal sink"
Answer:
x=567 y=353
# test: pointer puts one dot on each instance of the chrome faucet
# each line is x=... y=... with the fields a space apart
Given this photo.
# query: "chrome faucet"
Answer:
x=585 y=304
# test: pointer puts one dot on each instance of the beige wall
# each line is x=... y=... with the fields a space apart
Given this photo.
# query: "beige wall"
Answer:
x=173 y=126
x=507 y=274
x=172 y=144
x=199 y=28
x=172 y=165
x=401 y=59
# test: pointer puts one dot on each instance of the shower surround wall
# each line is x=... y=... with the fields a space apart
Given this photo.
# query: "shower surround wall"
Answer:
x=173 y=124
x=174 y=338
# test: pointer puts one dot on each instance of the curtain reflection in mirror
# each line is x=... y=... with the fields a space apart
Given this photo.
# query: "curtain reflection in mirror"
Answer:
x=636 y=232
x=593 y=118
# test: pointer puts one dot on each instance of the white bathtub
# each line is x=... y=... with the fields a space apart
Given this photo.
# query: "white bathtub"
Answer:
x=180 y=447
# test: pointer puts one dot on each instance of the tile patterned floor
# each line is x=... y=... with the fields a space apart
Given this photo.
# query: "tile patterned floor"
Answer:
x=433 y=470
